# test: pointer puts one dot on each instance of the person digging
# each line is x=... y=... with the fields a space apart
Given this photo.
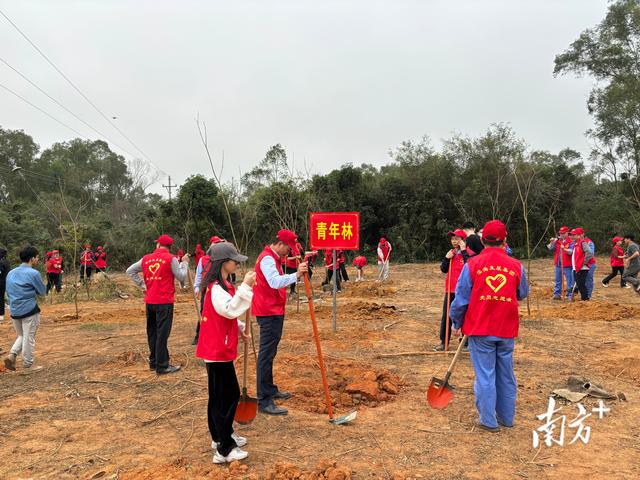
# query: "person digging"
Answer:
x=486 y=310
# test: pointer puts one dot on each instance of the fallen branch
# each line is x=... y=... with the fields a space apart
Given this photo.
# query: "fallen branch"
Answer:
x=444 y=432
x=193 y=427
x=352 y=450
x=167 y=412
x=99 y=402
x=391 y=325
x=410 y=354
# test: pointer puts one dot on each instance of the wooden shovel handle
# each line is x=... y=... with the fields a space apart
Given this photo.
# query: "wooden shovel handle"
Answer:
x=316 y=337
x=455 y=359
x=247 y=325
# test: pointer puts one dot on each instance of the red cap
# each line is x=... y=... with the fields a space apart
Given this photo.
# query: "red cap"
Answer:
x=99 y=247
x=383 y=240
x=86 y=245
x=564 y=229
x=54 y=252
x=616 y=239
x=49 y=254
x=215 y=239
x=288 y=237
x=458 y=232
x=577 y=231
x=165 y=240
x=494 y=231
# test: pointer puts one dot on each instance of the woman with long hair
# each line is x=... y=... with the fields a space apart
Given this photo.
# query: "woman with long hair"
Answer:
x=218 y=347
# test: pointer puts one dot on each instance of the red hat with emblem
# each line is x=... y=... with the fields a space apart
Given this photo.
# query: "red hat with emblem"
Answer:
x=458 y=232
x=494 y=231
x=165 y=240
x=288 y=237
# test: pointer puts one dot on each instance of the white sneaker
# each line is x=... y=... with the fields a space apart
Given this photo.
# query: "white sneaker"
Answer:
x=1 y=318
x=240 y=441
x=235 y=454
x=605 y=285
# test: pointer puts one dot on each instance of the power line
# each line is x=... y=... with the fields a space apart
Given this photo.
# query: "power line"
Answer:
x=77 y=89
x=43 y=111
x=62 y=106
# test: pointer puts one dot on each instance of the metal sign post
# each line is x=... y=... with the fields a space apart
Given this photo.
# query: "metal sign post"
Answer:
x=335 y=291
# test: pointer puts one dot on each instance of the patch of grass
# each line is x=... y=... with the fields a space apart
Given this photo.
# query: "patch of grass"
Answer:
x=97 y=327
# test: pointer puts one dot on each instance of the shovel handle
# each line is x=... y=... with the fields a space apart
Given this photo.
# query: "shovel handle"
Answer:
x=247 y=319
x=455 y=359
x=316 y=337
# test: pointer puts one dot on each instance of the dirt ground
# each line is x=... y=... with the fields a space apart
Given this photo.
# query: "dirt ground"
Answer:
x=96 y=411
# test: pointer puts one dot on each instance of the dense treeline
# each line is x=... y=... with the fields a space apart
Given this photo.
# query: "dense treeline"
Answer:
x=79 y=191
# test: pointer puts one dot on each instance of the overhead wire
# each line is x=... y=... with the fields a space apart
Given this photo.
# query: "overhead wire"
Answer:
x=73 y=85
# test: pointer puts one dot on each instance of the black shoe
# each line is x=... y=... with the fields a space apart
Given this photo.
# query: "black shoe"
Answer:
x=502 y=424
x=152 y=367
x=488 y=429
x=195 y=341
x=169 y=369
x=274 y=409
x=282 y=396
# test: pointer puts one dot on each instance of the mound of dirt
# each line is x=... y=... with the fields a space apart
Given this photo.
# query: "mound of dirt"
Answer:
x=130 y=357
x=627 y=368
x=370 y=289
x=350 y=383
x=595 y=310
x=180 y=469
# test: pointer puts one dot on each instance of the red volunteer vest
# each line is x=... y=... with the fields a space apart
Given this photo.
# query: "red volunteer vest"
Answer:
x=54 y=265
x=218 y=340
x=199 y=255
x=86 y=258
x=385 y=251
x=359 y=261
x=158 y=277
x=101 y=260
x=615 y=253
x=267 y=301
x=457 y=262
x=566 y=257
x=493 y=307
x=578 y=256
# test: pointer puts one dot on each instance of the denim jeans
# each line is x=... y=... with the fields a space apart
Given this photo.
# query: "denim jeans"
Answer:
x=270 y=335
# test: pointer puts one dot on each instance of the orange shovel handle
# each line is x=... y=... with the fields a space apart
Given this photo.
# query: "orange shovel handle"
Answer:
x=316 y=337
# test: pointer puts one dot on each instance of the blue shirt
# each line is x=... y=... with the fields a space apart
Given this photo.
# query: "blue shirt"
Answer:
x=24 y=283
x=463 y=295
x=273 y=277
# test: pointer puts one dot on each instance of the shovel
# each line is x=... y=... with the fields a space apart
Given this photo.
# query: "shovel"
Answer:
x=344 y=418
x=440 y=392
x=247 y=406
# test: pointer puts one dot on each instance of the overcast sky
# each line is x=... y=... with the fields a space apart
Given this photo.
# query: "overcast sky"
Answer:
x=333 y=81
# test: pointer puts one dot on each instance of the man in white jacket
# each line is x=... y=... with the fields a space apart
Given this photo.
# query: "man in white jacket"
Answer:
x=384 y=251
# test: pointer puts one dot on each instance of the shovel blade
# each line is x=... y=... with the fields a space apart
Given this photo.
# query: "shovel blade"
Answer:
x=247 y=410
x=344 y=418
x=439 y=394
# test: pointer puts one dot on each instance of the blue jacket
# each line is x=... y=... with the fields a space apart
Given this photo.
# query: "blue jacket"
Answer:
x=24 y=283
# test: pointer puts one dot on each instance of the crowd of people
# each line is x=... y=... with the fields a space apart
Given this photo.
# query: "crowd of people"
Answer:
x=483 y=285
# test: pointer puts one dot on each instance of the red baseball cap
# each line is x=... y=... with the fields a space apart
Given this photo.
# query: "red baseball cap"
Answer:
x=383 y=240
x=577 y=231
x=215 y=239
x=288 y=237
x=494 y=231
x=616 y=239
x=165 y=240
x=564 y=229
x=49 y=254
x=458 y=232
x=99 y=247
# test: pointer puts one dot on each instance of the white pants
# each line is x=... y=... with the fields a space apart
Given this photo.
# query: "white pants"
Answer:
x=383 y=271
x=26 y=329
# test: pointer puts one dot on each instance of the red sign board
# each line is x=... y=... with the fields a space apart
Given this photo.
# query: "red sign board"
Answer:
x=335 y=231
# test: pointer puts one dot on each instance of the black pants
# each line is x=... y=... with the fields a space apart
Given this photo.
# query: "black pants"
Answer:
x=443 y=320
x=614 y=272
x=581 y=283
x=3 y=287
x=201 y=309
x=85 y=269
x=270 y=335
x=54 y=280
x=330 y=277
x=343 y=272
x=224 y=394
x=159 y=321
x=289 y=270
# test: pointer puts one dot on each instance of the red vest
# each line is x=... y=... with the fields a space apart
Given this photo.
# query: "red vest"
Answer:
x=566 y=257
x=385 y=248
x=360 y=261
x=158 y=277
x=101 y=260
x=218 y=338
x=493 y=307
x=86 y=258
x=54 y=265
x=615 y=253
x=267 y=301
x=578 y=256
x=457 y=262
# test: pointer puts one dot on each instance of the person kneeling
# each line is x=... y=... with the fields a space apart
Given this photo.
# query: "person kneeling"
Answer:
x=218 y=347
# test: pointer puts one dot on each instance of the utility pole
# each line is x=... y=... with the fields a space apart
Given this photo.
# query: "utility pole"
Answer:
x=169 y=187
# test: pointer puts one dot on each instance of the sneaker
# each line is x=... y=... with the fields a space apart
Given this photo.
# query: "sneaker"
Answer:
x=503 y=424
x=557 y=297
x=10 y=362
x=627 y=286
x=487 y=429
x=31 y=369
x=439 y=348
x=240 y=441
x=282 y=396
x=605 y=285
x=169 y=369
x=638 y=288
x=1 y=318
x=235 y=454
